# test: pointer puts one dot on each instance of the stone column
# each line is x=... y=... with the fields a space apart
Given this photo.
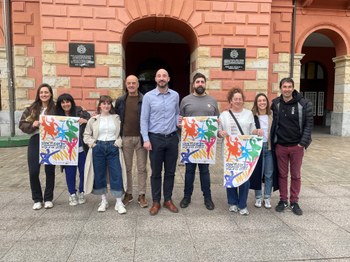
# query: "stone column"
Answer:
x=340 y=123
x=296 y=70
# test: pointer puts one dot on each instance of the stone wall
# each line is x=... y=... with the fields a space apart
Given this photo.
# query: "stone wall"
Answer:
x=42 y=31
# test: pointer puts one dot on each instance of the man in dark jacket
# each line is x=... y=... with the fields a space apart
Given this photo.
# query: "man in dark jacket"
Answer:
x=128 y=107
x=290 y=136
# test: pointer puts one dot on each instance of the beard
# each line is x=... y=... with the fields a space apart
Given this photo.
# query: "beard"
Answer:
x=162 y=84
x=200 y=90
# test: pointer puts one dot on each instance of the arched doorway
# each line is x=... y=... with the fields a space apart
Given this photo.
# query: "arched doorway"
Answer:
x=157 y=42
x=317 y=76
x=328 y=46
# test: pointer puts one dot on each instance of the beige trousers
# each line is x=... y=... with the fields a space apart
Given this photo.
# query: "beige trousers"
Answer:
x=133 y=144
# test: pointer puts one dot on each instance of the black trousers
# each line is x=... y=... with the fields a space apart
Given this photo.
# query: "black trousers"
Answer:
x=34 y=171
x=164 y=152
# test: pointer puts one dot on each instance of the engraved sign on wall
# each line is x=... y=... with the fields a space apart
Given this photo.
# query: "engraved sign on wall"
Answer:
x=81 y=55
x=233 y=59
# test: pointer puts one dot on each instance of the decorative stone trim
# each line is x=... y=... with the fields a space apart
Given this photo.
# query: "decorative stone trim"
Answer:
x=340 y=120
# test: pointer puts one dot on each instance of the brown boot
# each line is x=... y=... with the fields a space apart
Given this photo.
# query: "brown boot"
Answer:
x=127 y=199
x=142 y=201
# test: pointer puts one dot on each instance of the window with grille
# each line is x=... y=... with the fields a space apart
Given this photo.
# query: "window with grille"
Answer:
x=320 y=105
x=312 y=96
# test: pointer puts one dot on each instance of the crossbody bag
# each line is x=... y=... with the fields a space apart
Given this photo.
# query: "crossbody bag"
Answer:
x=238 y=125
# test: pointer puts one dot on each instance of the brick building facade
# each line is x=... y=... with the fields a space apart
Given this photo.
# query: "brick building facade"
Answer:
x=184 y=36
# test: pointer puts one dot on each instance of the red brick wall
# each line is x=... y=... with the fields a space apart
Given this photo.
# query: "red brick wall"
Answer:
x=232 y=24
x=280 y=30
x=26 y=32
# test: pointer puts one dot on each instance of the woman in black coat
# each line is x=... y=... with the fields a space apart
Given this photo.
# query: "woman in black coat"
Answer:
x=65 y=106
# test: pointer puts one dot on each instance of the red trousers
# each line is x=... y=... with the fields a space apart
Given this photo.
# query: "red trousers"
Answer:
x=290 y=157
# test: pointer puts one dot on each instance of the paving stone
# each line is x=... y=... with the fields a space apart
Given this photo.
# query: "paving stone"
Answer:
x=66 y=233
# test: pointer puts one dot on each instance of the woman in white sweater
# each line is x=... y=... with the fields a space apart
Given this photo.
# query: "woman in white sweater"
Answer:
x=237 y=197
x=102 y=135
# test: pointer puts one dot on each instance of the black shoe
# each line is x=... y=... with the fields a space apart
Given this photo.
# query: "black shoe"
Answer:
x=281 y=206
x=209 y=204
x=185 y=202
x=296 y=209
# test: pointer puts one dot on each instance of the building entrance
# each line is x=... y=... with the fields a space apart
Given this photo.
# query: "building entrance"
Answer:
x=313 y=85
x=317 y=76
x=146 y=52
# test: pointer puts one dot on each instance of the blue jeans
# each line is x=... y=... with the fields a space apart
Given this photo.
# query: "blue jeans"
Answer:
x=267 y=172
x=106 y=154
x=71 y=172
x=238 y=196
x=204 y=178
x=164 y=152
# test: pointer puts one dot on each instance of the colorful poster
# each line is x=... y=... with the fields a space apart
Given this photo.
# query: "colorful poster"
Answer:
x=198 y=139
x=241 y=153
x=59 y=140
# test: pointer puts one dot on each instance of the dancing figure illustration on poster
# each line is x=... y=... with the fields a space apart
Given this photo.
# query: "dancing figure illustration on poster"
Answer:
x=59 y=140
x=198 y=139
x=241 y=154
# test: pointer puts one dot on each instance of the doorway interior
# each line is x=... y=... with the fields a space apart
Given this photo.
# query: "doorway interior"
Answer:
x=148 y=51
x=317 y=76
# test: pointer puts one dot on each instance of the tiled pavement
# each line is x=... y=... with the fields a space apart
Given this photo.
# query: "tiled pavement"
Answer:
x=80 y=233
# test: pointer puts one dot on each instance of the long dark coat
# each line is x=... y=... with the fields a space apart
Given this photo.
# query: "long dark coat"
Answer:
x=257 y=177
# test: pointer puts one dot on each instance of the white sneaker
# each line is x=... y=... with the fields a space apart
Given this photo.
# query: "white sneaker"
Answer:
x=244 y=212
x=258 y=202
x=37 y=205
x=102 y=206
x=81 y=198
x=267 y=203
x=233 y=208
x=48 y=205
x=120 y=208
x=73 y=201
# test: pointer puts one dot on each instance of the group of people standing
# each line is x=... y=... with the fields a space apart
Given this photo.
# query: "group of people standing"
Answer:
x=148 y=124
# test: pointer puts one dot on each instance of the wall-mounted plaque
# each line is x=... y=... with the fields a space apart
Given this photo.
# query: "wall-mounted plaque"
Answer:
x=233 y=59
x=81 y=55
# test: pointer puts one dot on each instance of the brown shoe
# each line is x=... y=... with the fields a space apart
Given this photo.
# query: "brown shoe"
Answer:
x=170 y=205
x=127 y=199
x=154 y=209
x=142 y=201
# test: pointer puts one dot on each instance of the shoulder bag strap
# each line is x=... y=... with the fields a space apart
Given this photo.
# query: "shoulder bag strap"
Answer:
x=238 y=125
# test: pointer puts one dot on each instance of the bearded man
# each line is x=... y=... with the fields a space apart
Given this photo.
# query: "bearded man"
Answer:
x=199 y=103
x=159 y=116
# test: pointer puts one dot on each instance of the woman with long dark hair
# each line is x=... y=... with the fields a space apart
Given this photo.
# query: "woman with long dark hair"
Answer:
x=265 y=166
x=29 y=124
x=65 y=106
